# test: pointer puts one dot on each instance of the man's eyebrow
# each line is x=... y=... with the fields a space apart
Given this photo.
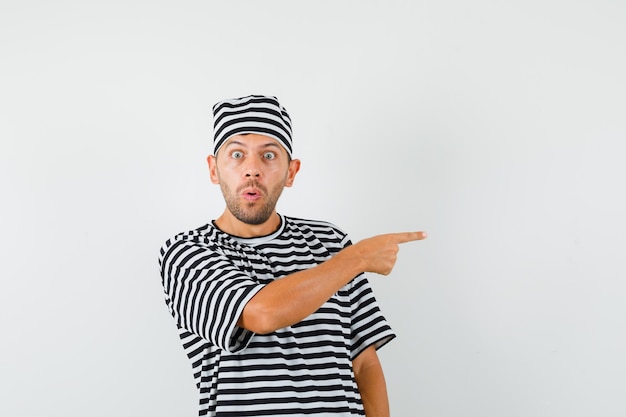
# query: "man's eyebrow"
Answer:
x=269 y=144
x=234 y=142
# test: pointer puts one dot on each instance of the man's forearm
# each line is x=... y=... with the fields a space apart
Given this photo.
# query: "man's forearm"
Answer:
x=291 y=299
x=370 y=379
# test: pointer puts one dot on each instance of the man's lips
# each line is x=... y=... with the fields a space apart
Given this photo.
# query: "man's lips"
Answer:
x=251 y=193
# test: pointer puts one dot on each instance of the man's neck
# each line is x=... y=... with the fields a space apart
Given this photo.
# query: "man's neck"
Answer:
x=233 y=226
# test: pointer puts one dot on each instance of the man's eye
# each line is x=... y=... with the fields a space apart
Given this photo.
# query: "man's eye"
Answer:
x=269 y=155
x=236 y=155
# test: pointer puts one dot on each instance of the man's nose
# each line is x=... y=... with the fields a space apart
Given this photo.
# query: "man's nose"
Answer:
x=252 y=169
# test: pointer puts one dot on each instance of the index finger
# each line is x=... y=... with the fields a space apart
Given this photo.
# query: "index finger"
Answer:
x=405 y=237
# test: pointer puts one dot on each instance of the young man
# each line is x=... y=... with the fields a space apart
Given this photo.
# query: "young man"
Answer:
x=274 y=312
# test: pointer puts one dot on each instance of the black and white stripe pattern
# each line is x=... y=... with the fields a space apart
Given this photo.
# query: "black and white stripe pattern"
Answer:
x=304 y=369
x=263 y=115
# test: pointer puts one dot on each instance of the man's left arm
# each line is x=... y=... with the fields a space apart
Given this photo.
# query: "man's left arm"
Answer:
x=370 y=379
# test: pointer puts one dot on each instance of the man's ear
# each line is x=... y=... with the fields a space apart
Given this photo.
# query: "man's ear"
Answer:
x=212 y=161
x=294 y=167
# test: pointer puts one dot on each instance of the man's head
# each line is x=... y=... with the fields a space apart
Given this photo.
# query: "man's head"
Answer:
x=252 y=161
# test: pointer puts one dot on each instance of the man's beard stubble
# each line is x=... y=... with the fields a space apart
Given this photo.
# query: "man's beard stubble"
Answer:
x=253 y=213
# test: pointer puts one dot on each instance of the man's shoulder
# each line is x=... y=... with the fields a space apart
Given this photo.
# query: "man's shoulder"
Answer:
x=202 y=236
x=317 y=227
x=314 y=223
x=202 y=232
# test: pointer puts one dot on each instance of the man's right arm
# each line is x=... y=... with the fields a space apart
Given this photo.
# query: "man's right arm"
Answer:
x=289 y=300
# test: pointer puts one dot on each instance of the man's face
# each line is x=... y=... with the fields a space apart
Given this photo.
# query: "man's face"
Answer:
x=252 y=171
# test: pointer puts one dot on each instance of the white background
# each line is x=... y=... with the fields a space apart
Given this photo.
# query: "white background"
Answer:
x=498 y=127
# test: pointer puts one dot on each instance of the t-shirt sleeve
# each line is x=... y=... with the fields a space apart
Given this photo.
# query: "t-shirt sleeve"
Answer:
x=206 y=293
x=369 y=326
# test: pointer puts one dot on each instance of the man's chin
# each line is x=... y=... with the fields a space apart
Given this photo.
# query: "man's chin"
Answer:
x=253 y=220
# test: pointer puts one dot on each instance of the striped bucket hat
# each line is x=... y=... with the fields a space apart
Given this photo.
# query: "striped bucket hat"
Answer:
x=262 y=115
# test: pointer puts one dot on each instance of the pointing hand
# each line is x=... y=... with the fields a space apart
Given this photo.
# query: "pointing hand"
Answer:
x=379 y=253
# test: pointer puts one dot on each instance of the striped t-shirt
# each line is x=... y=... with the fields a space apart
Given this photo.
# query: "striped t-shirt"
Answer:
x=300 y=370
